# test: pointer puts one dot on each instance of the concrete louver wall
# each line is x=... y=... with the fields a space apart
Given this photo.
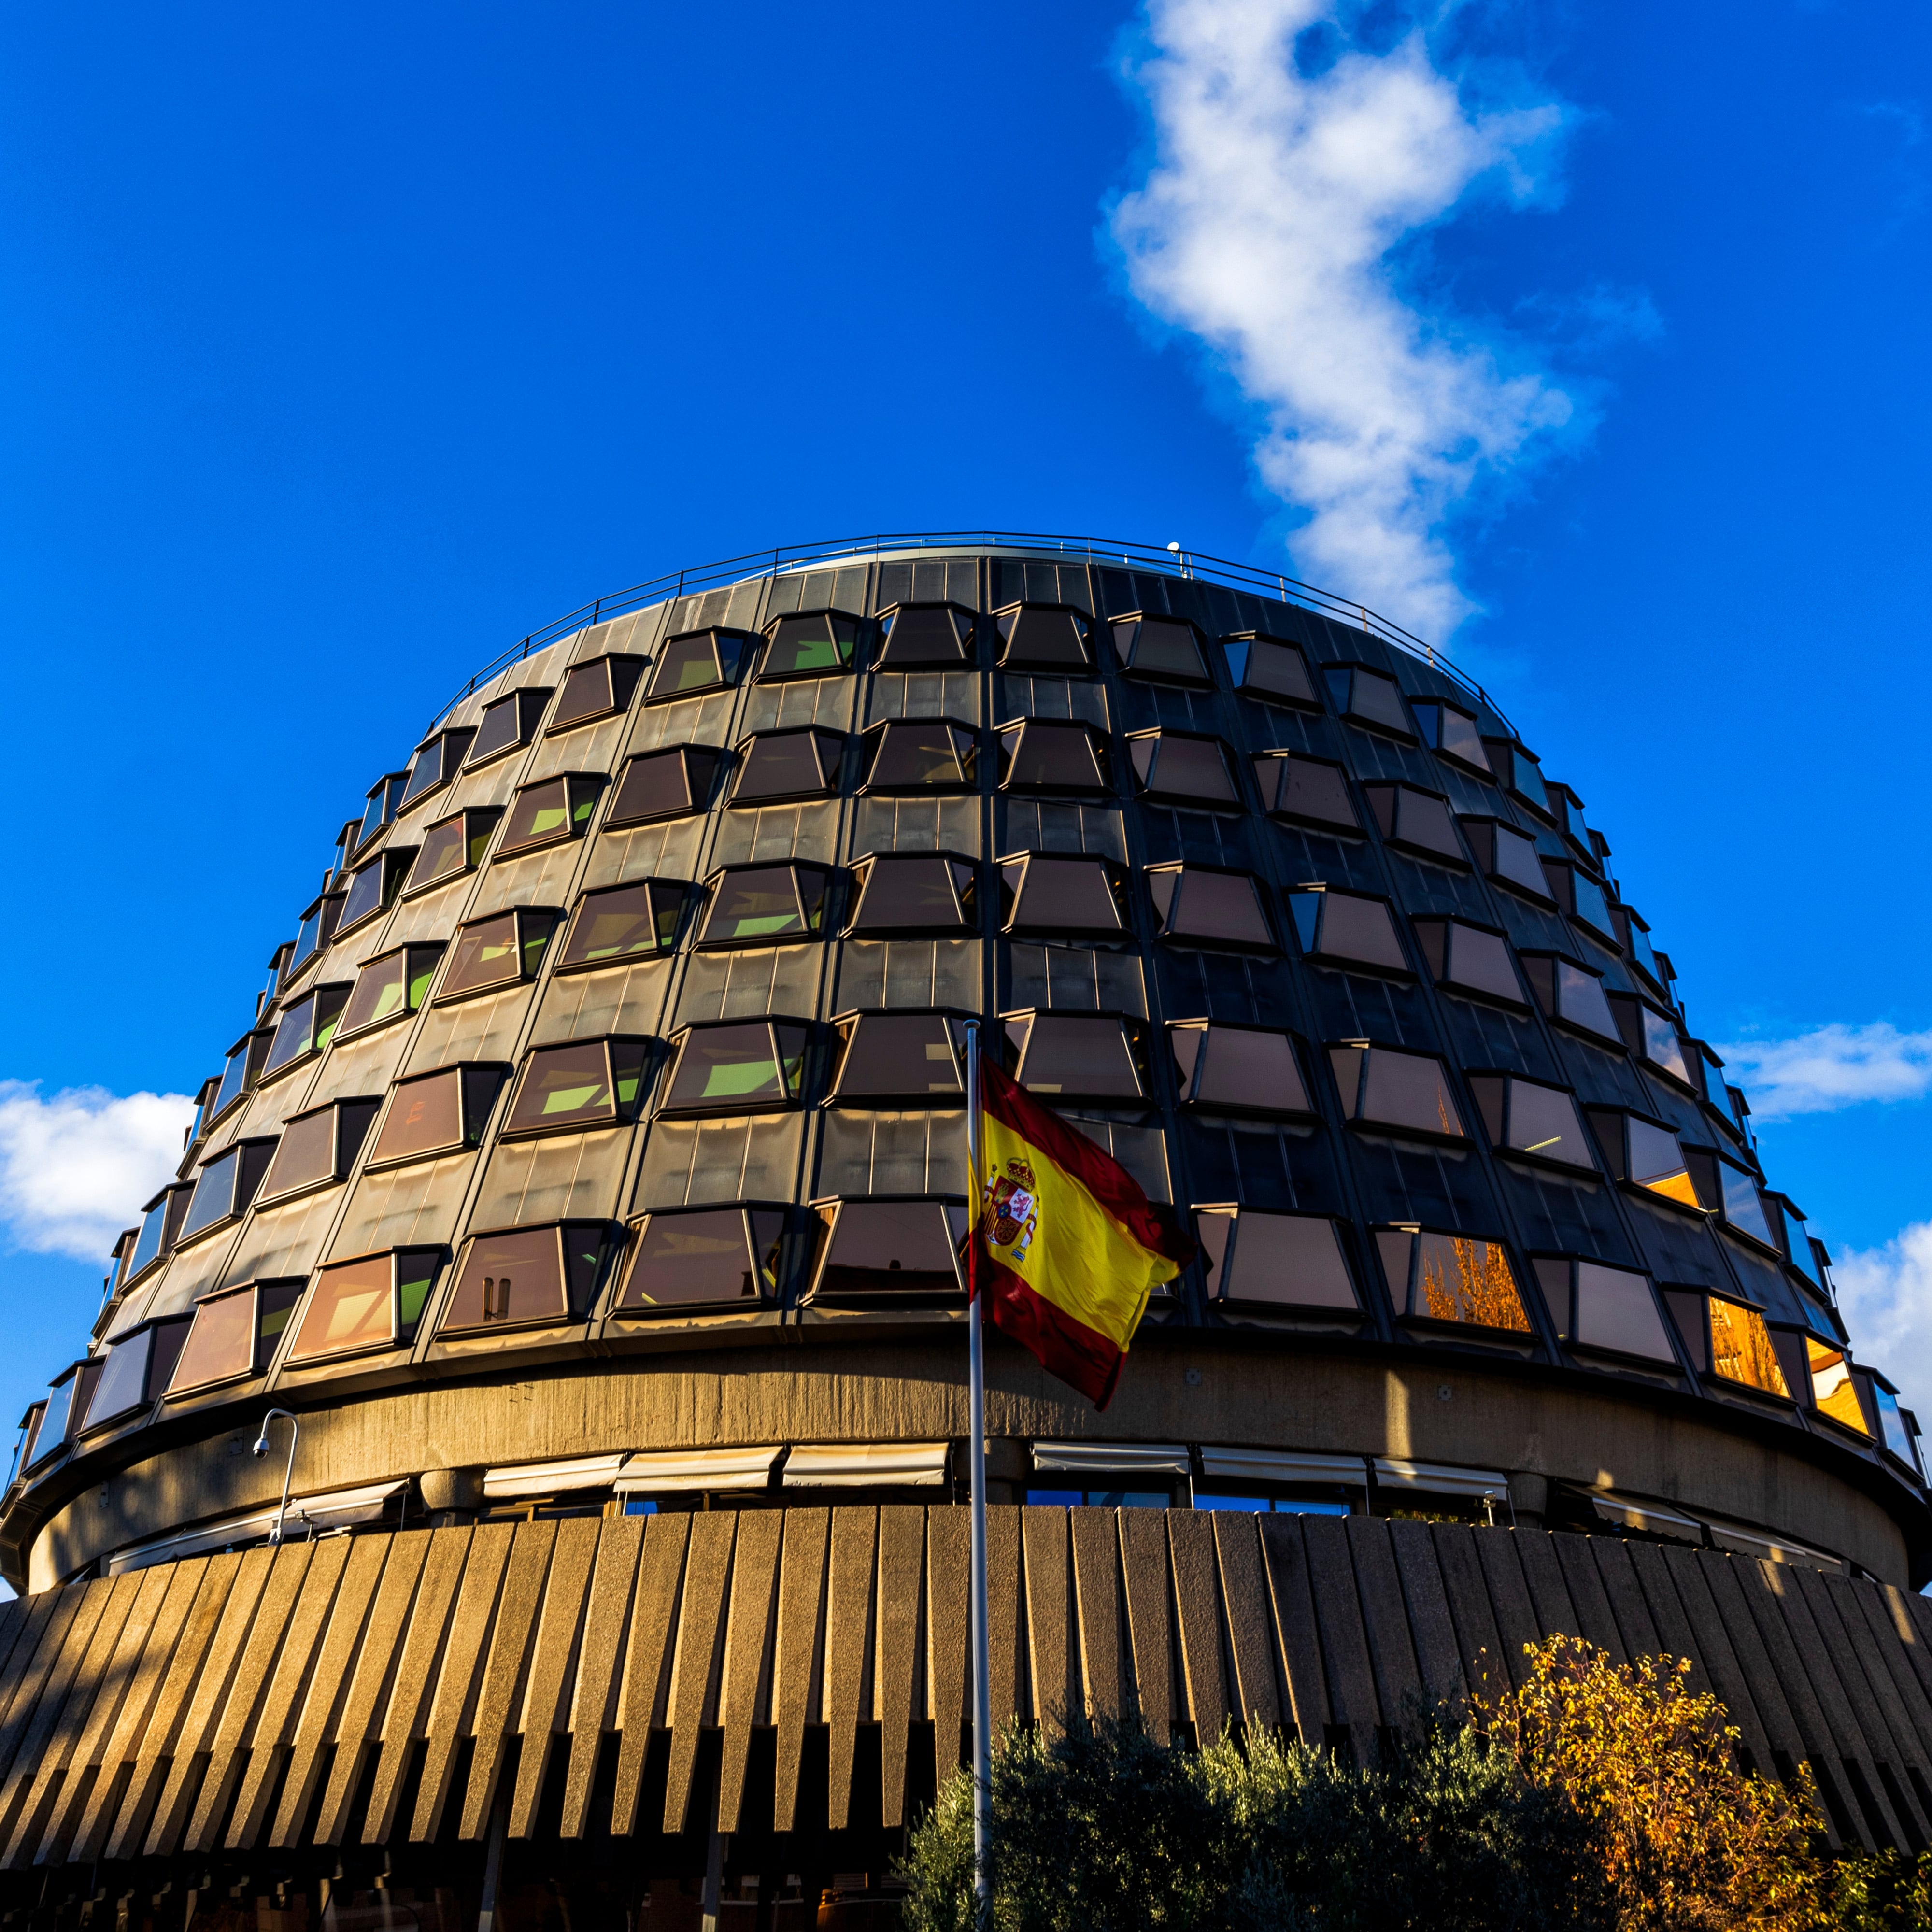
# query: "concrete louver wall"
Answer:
x=281 y=1698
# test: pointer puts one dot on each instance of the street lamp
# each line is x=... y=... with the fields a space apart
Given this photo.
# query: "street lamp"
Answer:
x=288 y=1475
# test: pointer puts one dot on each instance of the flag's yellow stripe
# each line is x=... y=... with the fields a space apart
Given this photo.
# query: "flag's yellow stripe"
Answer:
x=1082 y=1259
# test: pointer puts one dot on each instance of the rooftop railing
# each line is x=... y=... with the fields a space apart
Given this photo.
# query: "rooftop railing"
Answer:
x=1169 y=560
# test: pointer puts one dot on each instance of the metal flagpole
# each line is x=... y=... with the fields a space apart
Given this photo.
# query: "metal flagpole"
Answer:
x=976 y=1458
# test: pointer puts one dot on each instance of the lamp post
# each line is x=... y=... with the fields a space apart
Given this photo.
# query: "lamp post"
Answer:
x=288 y=1475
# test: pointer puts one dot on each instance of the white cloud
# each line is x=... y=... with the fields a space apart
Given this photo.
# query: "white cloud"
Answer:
x=76 y=1166
x=1885 y=1295
x=1266 y=225
x=1830 y=1067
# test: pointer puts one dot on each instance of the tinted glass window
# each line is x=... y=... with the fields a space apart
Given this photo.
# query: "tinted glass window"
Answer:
x=920 y=754
x=1898 y=1437
x=148 y=1242
x=442 y=854
x=690 y=663
x=686 y=1258
x=1267 y=667
x=589 y=1084
x=1453 y=733
x=1403 y=1090
x=1589 y=904
x=213 y=1198
x=1526 y=777
x=909 y=1055
x=497 y=951
x=353 y=1307
x=926 y=633
x=1798 y=1246
x=1743 y=1206
x=1742 y=1349
x=1049 y=757
x=1460 y=1279
x=389 y=987
x=1306 y=790
x=1615 y=1309
x=1193 y=769
x=305 y=1154
x=1336 y=925
x=1239 y=1068
x=1542 y=1121
x=763 y=903
x=1514 y=860
x=1416 y=819
x=726 y=1067
x=123 y=1380
x=509 y=1280
x=365 y=892
x=1656 y=1162
x=425 y=1117
x=1580 y=1001
x=1368 y=697
x=1481 y=962
x=541 y=814
x=907 y=894
x=1211 y=907
x=1042 y=637
x=1051 y=894
x=1160 y=647
x=1642 y=951
x=318 y=927
x=220 y=1343
x=381 y=807
x=504 y=724
x=1286 y=1260
x=1662 y=1047
x=623 y=923
x=307 y=1027
x=664 y=784
x=787 y=764
x=889 y=1247
x=587 y=693
x=810 y=644
x=1832 y=1388
x=1075 y=1055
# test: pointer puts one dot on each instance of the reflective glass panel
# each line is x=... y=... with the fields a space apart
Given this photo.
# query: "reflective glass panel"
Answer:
x=353 y=1307
x=1052 y=894
x=493 y=953
x=389 y=987
x=1051 y=757
x=1663 y=1048
x=123 y=1382
x=1742 y=1349
x=541 y=814
x=1370 y=697
x=686 y=1258
x=1040 y=636
x=786 y=764
x=1656 y=1162
x=1352 y=928
x=589 y=1084
x=1160 y=647
x=366 y=893
x=1743 y=1206
x=664 y=784
x=1076 y=1055
x=148 y=1242
x=889 y=1247
x=307 y=1027
x=425 y=1117
x=1481 y=962
x=1643 y=953
x=1898 y=1437
x=1265 y=667
x=1240 y=1068
x=274 y=1302
x=730 y=1066
x=1422 y=819
x=810 y=644
x=1798 y=1245
x=220 y=1343
x=762 y=903
x=1832 y=1388
x=624 y=922
x=508 y=1280
x=588 y=692
x=318 y=927
x=442 y=854
x=1452 y=733
x=1215 y=906
x=1615 y=1309
x=1408 y=1089
x=1307 y=790
x=920 y=754
x=1458 y=1278
x=435 y=763
x=382 y=807
x=1589 y=905
x=898 y=1053
x=305 y=1154
x=902 y=894
x=1517 y=864
x=213 y=1198
x=501 y=727
x=688 y=663
x=1286 y=1260
x=1194 y=770
x=234 y=1082
x=925 y=634
x=1542 y=1121
x=1580 y=1001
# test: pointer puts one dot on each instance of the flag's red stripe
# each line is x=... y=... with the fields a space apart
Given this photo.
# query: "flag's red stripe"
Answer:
x=1062 y=1346
x=1102 y=1176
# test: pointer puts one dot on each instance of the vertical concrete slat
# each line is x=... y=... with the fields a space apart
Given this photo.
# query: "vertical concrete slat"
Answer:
x=1863 y=1607
x=1509 y=1596
x=855 y=1533
x=1250 y=1628
x=653 y=1620
x=500 y=1693
x=463 y=1652
x=1480 y=1644
x=1635 y=1627
x=1595 y=1618
x=808 y=1535
x=1720 y=1656
x=1297 y=1629
x=902 y=1563
x=949 y=1636
x=1003 y=1603
x=700 y=1632
x=546 y=1703
x=1096 y=1596
x=1384 y=1620
x=1150 y=1619
x=1053 y=1664
x=1190 y=1539
x=1439 y=1649
x=754 y=1576
x=1349 y=1675
x=593 y=1704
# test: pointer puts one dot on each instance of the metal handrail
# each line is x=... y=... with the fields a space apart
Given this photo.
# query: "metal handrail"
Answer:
x=1170 y=560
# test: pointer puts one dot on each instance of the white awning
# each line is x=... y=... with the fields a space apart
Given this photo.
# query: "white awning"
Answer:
x=1112 y=1459
x=336 y=1509
x=684 y=1471
x=1221 y=1464
x=1633 y=1512
x=1768 y=1545
x=1442 y=1479
x=546 y=1479
x=847 y=1465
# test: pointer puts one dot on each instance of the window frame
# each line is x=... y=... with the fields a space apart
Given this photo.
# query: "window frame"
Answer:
x=1526 y=960
x=532 y=701
x=389 y=787
x=872 y=742
x=1506 y=769
x=1431 y=735
x=579 y=814
x=1168 y=933
x=402 y=1331
x=573 y=1314
x=623 y=671
x=714 y=758
x=434 y=949
x=263 y=1348
x=622 y=1113
x=395 y=863
x=1568 y=1314
x=1609 y=1128
x=328 y=1001
x=1272 y=807
x=746 y=749
x=1562 y=876
x=1134 y=1033
x=489 y=817
x=828 y=1211
x=1314 y=954
x=1009 y=740
x=451 y=762
x=735 y=1106
x=1351 y=1113
x=863 y=869
x=1753 y=1312
x=1241 y=680
x=810 y=934
x=1126 y=649
x=325 y=909
x=1403 y=1298
x=1396 y=790
x=768 y=632
x=525 y=975
x=651 y=885
x=474 y=1077
x=1011 y=613
x=346 y=1142
x=1482 y=833
x=882 y=625
x=251 y=1157
x=637 y=1232
x=1146 y=786
x=1424 y=926
x=253 y=1047
x=161 y=1338
x=1632 y=1011
x=743 y=647
x=1218 y=1270
x=1496 y=1127
x=1353 y=668
x=846 y=1027
x=1012 y=897
x=79 y=1379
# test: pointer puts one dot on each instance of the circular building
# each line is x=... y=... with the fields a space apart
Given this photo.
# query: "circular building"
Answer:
x=587 y=1182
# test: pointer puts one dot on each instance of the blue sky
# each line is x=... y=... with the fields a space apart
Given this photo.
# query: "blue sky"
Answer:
x=339 y=348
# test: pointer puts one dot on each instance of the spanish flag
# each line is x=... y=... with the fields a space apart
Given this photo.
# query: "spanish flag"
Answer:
x=1067 y=1247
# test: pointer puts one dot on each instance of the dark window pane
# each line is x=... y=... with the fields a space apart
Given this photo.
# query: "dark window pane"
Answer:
x=1580 y=1001
x=1051 y=757
x=123 y=1380
x=1523 y=775
x=1192 y=770
x=543 y=813
x=1308 y=790
x=591 y=1083
x=694 y=1259
x=1460 y=1279
x=381 y=808
x=389 y=987
x=1286 y=1260
x=214 y=1198
x=664 y=784
x=1369 y=697
x=1656 y=1162
x=1452 y=733
x=365 y=894
x=1743 y=1206
x=442 y=854
x=759 y=903
x=899 y=1054
x=1588 y=904
x=1267 y=667
x=1742 y=1349
x=507 y=723
x=1409 y=1089
x=925 y=634
x=1663 y=1048
x=1241 y=1069
x=907 y=894
x=509 y=1280
x=918 y=754
x=305 y=1155
x=1357 y=929
x=810 y=644
x=1076 y=1055
x=1042 y=637
x=307 y=1027
x=889 y=1247
x=1061 y=895
x=1160 y=647
x=353 y=1307
x=727 y=1067
x=1542 y=1121
x=1481 y=962
x=425 y=1117
x=624 y=922
x=148 y=1242
x=595 y=689
x=497 y=951
x=220 y=1343
x=1421 y=821
x=689 y=663
x=1194 y=904
x=787 y=764
x=1615 y=1309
